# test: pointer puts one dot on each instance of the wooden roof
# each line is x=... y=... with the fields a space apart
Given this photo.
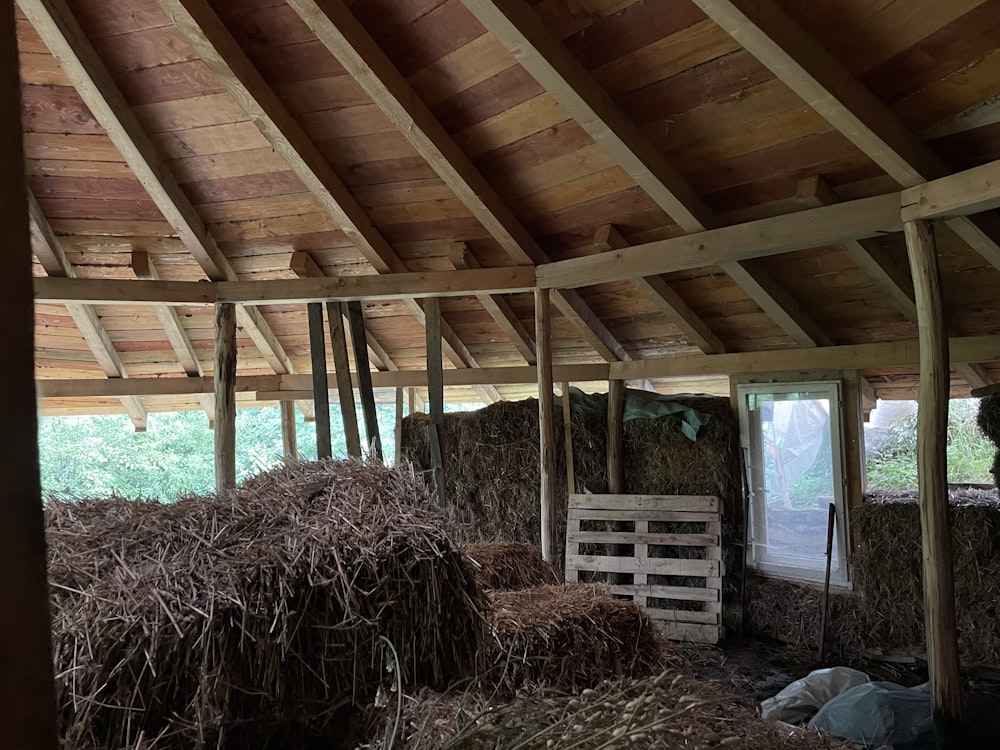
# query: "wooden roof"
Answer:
x=268 y=139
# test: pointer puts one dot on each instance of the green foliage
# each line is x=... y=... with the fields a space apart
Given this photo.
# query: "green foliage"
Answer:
x=970 y=455
x=96 y=456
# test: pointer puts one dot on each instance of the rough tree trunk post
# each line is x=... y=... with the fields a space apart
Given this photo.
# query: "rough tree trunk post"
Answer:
x=567 y=410
x=345 y=388
x=546 y=423
x=27 y=697
x=225 y=396
x=289 y=442
x=320 y=382
x=616 y=413
x=435 y=395
x=932 y=471
x=359 y=339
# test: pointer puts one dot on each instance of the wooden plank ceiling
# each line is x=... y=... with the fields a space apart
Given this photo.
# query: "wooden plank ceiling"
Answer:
x=270 y=139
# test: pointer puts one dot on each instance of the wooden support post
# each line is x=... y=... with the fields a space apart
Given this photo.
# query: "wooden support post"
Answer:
x=546 y=424
x=289 y=442
x=225 y=396
x=854 y=439
x=616 y=413
x=27 y=697
x=932 y=472
x=435 y=395
x=342 y=368
x=356 y=318
x=398 y=432
x=567 y=411
x=320 y=383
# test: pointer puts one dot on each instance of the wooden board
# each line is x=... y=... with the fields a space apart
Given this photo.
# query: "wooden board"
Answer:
x=682 y=609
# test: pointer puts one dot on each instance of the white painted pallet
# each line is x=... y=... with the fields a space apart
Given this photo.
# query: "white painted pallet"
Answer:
x=703 y=625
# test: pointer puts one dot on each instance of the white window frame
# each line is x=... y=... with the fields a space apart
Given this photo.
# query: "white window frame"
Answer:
x=756 y=555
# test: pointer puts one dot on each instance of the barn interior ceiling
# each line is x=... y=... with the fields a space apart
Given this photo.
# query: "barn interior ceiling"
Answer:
x=614 y=150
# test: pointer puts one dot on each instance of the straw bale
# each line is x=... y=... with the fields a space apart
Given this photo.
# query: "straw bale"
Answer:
x=492 y=477
x=258 y=616
x=886 y=613
x=571 y=637
x=668 y=711
x=508 y=566
x=988 y=418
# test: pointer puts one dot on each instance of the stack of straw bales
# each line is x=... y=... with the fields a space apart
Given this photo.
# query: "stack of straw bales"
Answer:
x=886 y=611
x=254 y=619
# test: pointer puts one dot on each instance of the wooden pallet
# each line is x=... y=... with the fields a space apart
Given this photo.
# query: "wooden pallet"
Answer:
x=703 y=625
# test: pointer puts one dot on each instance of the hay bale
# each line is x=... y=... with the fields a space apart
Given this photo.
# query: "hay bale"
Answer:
x=988 y=418
x=668 y=711
x=886 y=611
x=508 y=566
x=255 y=617
x=492 y=467
x=571 y=637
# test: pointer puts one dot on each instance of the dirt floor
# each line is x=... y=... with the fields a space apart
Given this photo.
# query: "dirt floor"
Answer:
x=758 y=669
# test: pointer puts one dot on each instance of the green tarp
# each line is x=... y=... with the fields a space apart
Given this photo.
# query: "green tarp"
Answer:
x=642 y=405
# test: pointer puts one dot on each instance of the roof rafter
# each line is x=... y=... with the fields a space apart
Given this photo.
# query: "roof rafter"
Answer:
x=59 y=29
x=206 y=33
x=144 y=268
x=518 y=28
x=53 y=258
x=343 y=35
x=811 y=71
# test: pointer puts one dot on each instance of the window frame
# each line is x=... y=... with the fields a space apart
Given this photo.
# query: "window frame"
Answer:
x=840 y=575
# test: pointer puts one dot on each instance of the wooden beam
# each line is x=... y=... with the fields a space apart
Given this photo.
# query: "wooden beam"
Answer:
x=225 y=397
x=203 y=29
x=969 y=192
x=398 y=428
x=289 y=442
x=546 y=426
x=875 y=262
x=932 y=471
x=320 y=387
x=144 y=268
x=345 y=387
x=667 y=301
x=27 y=697
x=303 y=266
x=286 y=291
x=498 y=307
x=616 y=435
x=78 y=59
x=822 y=81
x=817 y=227
x=524 y=35
x=435 y=395
x=340 y=32
x=356 y=320
x=567 y=412
x=49 y=251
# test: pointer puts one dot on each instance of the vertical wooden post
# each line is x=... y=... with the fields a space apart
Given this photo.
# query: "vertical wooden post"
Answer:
x=435 y=395
x=932 y=472
x=398 y=432
x=546 y=424
x=27 y=697
x=567 y=411
x=356 y=318
x=320 y=383
x=225 y=396
x=854 y=449
x=616 y=414
x=289 y=441
x=342 y=368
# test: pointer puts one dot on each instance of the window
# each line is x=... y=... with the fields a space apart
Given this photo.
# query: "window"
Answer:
x=792 y=444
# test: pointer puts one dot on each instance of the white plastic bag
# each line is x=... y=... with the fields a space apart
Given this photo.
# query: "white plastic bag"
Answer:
x=802 y=698
x=880 y=713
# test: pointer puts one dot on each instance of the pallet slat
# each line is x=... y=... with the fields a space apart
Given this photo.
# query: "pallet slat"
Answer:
x=704 y=625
